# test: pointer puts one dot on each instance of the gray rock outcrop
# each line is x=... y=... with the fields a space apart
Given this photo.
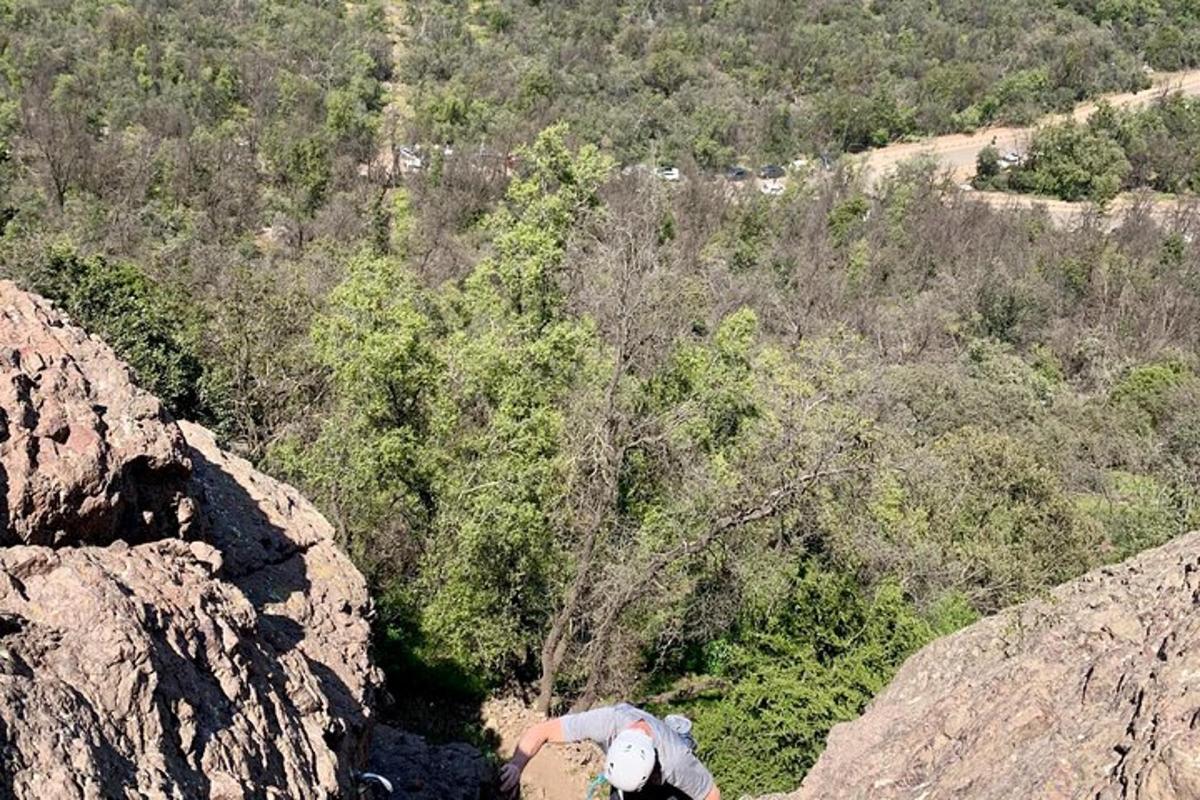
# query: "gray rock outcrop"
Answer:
x=1091 y=693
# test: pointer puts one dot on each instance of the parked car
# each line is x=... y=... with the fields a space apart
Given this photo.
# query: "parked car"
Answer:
x=668 y=173
x=736 y=173
x=771 y=172
x=1011 y=158
x=408 y=159
x=771 y=188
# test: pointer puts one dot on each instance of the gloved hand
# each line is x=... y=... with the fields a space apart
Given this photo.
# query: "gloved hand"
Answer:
x=510 y=778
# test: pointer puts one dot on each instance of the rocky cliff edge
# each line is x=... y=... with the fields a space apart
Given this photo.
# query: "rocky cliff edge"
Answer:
x=1092 y=692
x=173 y=623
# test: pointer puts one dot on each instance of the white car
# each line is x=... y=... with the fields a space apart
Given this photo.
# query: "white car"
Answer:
x=407 y=158
x=668 y=173
x=773 y=188
x=1011 y=158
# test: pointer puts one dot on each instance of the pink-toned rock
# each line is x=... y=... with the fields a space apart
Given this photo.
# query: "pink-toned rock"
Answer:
x=85 y=456
x=312 y=604
x=1092 y=693
x=232 y=663
x=130 y=672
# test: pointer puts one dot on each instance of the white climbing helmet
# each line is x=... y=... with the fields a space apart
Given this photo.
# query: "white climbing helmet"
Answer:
x=631 y=759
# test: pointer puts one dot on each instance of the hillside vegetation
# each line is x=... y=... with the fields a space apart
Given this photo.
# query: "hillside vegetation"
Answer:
x=773 y=79
x=1156 y=148
x=201 y=158
x=594 y=435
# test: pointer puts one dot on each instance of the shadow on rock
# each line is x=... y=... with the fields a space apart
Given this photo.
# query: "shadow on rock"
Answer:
x=423 y=771
x=271 y=542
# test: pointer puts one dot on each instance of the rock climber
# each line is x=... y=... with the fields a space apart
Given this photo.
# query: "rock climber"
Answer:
x=645 y=758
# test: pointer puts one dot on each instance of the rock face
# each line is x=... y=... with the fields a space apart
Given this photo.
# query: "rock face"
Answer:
x=1093 y=693
x=173 y=624
x=85 y=457
x=421 y=771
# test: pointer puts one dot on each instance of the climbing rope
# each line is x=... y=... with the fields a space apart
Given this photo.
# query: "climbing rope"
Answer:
x=595 y=784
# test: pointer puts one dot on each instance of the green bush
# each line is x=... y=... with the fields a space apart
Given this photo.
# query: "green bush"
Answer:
x=1136 y=512
x=1145 y=389
x=794 y=670
x=155 y=332
x=1156 y=147
x=987 y=165
x=1073 y=162
x=845 y=217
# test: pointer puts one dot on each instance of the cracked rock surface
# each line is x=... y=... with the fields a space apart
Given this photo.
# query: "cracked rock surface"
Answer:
x=1091 y=693
x=173 y=623
x=85 y=456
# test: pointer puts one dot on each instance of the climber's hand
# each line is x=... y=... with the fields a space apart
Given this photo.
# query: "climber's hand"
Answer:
x=510 y=778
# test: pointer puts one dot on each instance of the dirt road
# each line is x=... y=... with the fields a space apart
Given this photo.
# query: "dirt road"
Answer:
x=959 y=151
x=1181 y=214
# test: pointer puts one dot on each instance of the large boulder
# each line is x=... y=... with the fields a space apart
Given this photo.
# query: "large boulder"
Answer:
x=1093 y=692
x=173 y=623
x=85 y=456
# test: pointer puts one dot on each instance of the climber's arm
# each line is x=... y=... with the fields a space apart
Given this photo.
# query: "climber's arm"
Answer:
x=537 y=735
x=531 y=742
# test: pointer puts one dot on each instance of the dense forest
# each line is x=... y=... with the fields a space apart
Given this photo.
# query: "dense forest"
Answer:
x=593 y=435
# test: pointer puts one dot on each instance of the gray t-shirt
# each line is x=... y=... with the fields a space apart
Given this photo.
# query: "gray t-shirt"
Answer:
x=680 y=767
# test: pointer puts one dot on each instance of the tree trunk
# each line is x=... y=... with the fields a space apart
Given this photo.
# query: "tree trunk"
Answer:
x=599 y=518
x=643 y=585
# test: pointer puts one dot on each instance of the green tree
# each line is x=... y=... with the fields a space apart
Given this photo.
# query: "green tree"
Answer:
x=791 y=671
x=1073 y=162
x=987 y=165
x=445 y=453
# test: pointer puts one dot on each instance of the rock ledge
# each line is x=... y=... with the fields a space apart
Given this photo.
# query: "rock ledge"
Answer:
x=173 y=623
